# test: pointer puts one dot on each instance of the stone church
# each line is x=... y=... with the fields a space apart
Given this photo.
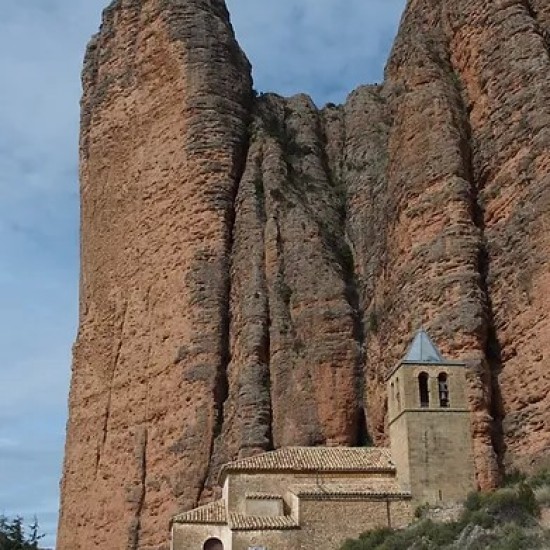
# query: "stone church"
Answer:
x=313 y=498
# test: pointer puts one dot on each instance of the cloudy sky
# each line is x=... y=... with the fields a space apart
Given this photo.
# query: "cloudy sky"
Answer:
x=323 y=47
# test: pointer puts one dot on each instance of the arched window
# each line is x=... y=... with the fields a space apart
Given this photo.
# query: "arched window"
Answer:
x=213 y=544
x=423 y=389
x=443 y=385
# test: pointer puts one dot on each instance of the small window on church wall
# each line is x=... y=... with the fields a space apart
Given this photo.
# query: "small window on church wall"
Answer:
x=443 y=384
x=423 y=389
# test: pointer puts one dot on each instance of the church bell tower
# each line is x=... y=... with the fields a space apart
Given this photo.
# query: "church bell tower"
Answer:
x=429 y=425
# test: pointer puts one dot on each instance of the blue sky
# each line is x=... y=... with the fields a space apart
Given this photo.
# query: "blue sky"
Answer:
x=323 y=47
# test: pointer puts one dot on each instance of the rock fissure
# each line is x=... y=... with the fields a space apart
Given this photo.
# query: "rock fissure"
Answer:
x=110 y=390
x=268 y=322
x=347 y=260
x=492 y=347
x=540 y=30
x=135 y=528
x=293 y=250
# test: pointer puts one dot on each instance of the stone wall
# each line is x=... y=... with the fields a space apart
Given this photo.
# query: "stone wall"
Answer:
x=258 y=506
x=271 y=540
x=279 y=483
x=193 y=537
x=327 y=523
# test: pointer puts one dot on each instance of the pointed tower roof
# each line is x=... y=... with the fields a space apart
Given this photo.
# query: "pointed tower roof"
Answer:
x=423 y=350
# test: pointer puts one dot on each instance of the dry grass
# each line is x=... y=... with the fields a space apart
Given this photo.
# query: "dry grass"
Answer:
x=542 y=494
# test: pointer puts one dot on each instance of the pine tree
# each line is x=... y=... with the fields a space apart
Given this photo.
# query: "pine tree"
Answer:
x=35 y=535
x=13 y=535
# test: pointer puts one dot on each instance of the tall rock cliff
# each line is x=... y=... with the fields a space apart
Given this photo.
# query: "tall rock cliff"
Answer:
x=253 y=266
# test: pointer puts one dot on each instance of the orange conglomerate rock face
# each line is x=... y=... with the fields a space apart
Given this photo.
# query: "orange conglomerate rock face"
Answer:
x=252 y=267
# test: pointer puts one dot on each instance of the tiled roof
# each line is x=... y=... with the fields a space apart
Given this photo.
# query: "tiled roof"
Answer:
x=263 y=496
x=368 y=489
x=213 y=513
x=239 y=522
x=315 y=459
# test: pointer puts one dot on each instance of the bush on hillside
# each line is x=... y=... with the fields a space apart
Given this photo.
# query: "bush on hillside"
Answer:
x=512 y=537
x=542 y=494
x=371 y=539
x=541 y=479
x=503 y=520
x=517 y=505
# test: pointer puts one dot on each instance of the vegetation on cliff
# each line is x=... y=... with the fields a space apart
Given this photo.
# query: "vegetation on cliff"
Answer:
x=252 y=267
x=507 y=519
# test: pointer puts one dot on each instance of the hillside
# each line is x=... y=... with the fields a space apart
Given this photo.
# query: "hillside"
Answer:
x=253 y=265
x=513 y=518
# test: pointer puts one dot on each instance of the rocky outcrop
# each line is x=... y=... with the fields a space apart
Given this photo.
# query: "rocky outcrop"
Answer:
x=252 y=266
x=167 y=94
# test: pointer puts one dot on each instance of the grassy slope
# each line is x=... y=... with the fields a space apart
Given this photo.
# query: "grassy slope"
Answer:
x=507 y=519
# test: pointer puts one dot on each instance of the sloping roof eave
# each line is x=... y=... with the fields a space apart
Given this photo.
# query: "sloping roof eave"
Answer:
x=315 y=459
x=210 y=514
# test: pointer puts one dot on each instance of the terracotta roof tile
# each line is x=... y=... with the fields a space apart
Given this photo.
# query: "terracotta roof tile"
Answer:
x=239 y=522
x=367 y=489
x=263 y=496
x=316 y=459
x=213 y=514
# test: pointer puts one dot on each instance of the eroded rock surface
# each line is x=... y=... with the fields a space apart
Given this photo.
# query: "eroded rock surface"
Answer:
x=253 y=266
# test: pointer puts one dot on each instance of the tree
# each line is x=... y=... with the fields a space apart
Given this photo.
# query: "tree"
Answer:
x=13 y=535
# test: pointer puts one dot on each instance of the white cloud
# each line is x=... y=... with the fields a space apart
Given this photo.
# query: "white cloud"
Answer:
x=321 y=47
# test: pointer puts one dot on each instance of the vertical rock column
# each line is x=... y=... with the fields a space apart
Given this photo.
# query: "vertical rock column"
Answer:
x=364 y=171
x=501 y=50
x=430 y=269
x=292 y=378
x=313 y=350
x=164 y=116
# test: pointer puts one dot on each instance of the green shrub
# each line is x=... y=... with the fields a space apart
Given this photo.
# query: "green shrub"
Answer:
x=421 y=511
x=542 y=495
x=438 y=534
x=527 y=499
x=474 y=501
x=510 y=505
x=369 y=540
x=507 y=517
x=539 y=480
x=479 y=517
x=513 y=537
x=425 y=535
x=513 y=478
x=376 y=538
